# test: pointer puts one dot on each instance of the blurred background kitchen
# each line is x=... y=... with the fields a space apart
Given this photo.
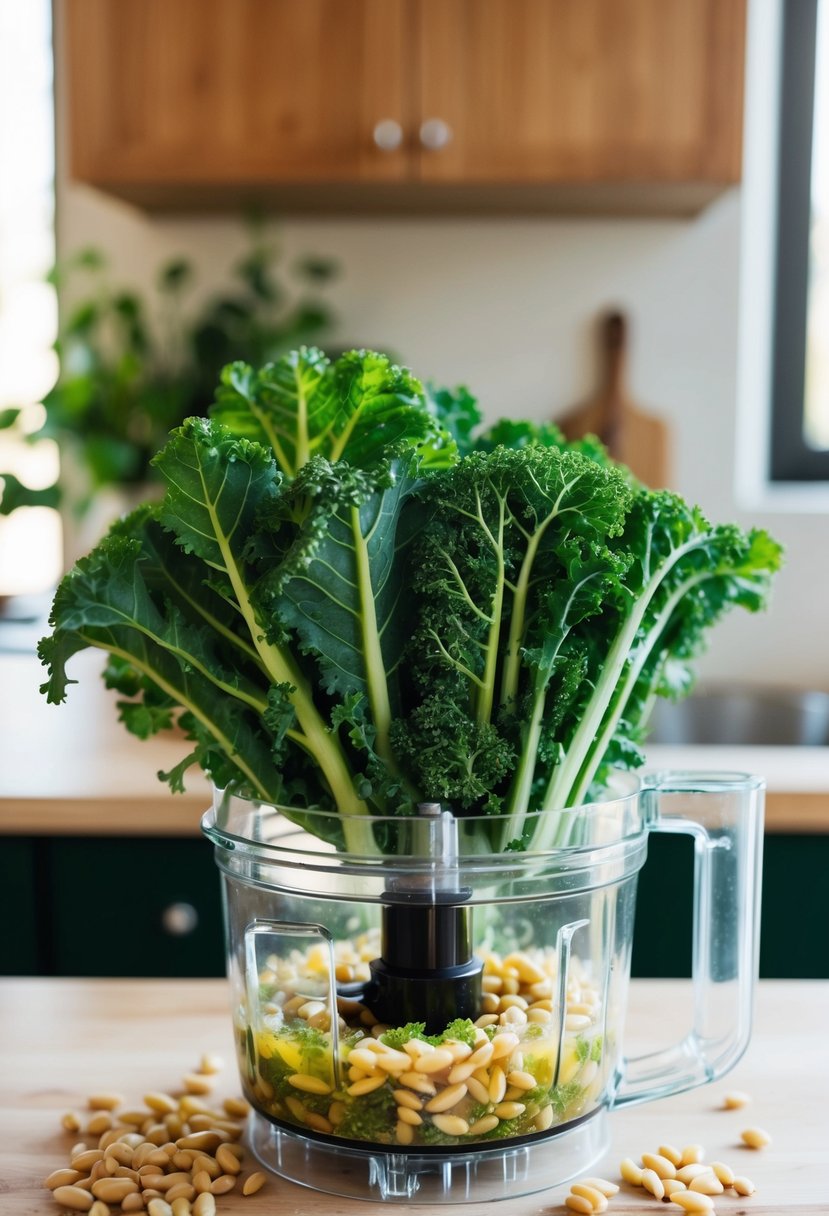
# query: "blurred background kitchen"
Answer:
x=611 y=213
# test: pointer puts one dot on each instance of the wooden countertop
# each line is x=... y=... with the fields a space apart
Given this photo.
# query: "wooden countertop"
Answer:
x=62 y=1039
x=74 y=770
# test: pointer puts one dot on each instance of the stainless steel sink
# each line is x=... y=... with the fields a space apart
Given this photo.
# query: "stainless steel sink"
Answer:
x=744 y=716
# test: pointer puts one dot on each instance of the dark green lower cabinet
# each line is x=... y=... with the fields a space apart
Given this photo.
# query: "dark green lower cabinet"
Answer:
x=794 y=930
x=134 y=907
x=111 y=906
x=19 y=922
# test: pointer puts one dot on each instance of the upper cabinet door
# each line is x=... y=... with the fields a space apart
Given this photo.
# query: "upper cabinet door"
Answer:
x=253 y=91
x=580 y=90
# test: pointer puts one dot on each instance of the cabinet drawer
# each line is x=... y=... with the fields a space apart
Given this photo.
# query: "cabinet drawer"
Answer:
x=18 y=907
x=138 y=907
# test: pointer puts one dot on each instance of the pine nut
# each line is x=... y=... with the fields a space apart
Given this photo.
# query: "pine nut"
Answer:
x=692 y=1154
x=360 y=1058
x=308 y=1084
x=104 y=1101
x=201 y=1181
x=211 y=1064
x=159 y=1207
x=197 y=1083
x=84 y=1161
x=735 y=1100
x=210 y=1167
x=451 y=1125
x=744 y=1186
x=318 y=1122
x=205 y=1141
x=254 y=1183
x=706 y=1184
x=691 y=1201
x=659 y=1164
x=73 y=1197
x=113 y=1190
x=672 y=1186
x=162 y=1104
x=672 y=1154
x=133 y=1203
x=528 y=971
x=687 y=1173
x=435 y=1062
x=64 y=1177
x=406 y=1115
x=221 y=1186
x=204 y=1205
x=513 y=1017
x=509 y=1110
x=446 y=1099
x=227 y=1159
x=653 y=1183
x=366 y=1086
x=404 y=1132
x=577 y=1021
x=70 y=1122
x=414 y=1080
x=577 y=1203
x=478 y=1091
x=403 y=1097
x=237 y=1108
x=393 y=1061
x=755 y=1137
x=481 y=1056
x=522 y=1080
x=504 y=1044
x=189 y=1104
x=481 y=1126
x=497 y=1085
x=539 y=1016
x=630 y=1171
x=608 y=1189
x=596 y=1199
x=183 y=1190
x=723 y=1172
x=544 y=1119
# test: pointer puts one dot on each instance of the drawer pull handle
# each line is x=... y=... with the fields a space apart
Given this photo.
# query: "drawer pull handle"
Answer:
x=435 y=134
x=179 y=920
x=388 y=135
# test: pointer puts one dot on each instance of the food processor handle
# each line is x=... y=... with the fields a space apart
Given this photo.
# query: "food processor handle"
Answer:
x=723 y=814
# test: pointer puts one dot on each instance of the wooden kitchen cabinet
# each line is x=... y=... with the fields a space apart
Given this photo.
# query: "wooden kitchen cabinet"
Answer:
x=500 y=104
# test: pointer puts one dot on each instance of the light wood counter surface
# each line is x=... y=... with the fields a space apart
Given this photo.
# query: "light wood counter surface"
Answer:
x=62 y=1039
x=73 y=769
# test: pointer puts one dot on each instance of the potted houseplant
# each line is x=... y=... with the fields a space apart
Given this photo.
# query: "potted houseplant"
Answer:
x=133 y=367
x=417 y=657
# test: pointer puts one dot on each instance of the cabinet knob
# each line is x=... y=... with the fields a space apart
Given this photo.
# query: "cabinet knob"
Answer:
x=179 y=920
x=388 y=135
x=435 y=134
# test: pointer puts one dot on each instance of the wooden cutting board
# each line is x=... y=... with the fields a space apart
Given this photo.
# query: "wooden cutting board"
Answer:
x=632 y=436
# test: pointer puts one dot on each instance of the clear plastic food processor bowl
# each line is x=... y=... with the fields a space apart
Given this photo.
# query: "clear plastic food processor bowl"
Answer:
x=427 y=1010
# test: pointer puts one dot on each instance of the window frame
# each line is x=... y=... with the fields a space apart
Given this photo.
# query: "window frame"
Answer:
x=791 y=458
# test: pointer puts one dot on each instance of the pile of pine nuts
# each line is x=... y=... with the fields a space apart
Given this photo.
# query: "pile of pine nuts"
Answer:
x=431 y=1086
x=171 y=1158
x=681 y=1177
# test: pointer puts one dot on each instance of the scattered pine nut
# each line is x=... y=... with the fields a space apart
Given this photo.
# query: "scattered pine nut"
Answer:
x=197 y=1083
x=692 y=1154
x=688 y=1173
x=211 y=1064
x=630 y=1171
x=253 y=1183
x=608 y=1189
x=659 y=1164
x=653 y=1183
x=706 y=1184
x=744 y=1186
x=594 y=1197
x=577 y=1203
x=735 y=1100
x=672 y=1154
x=755 y=1137
x=672 y=1185
x=70 y=1122
x=73 y=1197
x=65 y=1177
x=104 y=1101
x=723 y=1172
x=691 y=1201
